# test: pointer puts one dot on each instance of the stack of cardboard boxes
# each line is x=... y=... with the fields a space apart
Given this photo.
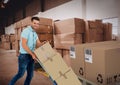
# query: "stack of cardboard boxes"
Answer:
x=78 y=31
x=12 y=41
x=97 y=62
x=45 y=32
x=93 y=31
x=68 y=32
x=54 y=65
x=5 y=39
x=8 y=41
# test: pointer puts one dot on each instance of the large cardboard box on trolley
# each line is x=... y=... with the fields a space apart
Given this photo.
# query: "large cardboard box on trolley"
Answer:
x=78 y=58
x=54 y=65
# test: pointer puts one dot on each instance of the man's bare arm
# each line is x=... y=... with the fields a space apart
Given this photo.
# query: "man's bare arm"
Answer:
x=24 y=45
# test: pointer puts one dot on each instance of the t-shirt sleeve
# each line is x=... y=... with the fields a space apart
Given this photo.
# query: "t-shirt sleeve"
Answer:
x=25 y=33
x=37 y=37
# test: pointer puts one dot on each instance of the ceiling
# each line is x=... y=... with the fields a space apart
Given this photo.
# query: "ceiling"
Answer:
x=11 y=6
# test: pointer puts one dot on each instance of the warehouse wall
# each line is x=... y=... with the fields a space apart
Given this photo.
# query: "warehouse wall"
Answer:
x=64 y=11
x=10 y=29
x=102 y=9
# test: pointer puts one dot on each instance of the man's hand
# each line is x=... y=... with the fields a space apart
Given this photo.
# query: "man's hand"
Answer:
x=34 y=56
x=44 y=42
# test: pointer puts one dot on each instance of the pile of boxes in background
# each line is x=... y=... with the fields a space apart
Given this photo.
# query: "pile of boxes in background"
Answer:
x=8 y=42
x=62 y=34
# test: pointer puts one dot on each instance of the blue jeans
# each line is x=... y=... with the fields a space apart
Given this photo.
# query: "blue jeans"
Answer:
x=53 y=81
x=25 y=62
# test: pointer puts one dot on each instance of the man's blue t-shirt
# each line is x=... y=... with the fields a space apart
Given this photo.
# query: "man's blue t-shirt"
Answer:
x=31 y=36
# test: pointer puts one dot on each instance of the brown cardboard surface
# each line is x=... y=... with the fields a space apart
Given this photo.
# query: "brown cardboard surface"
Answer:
x=64 y=41
x=45 y=29
x=12 y=38
x=74 y=25
x=13 y=45
x=7 y=45
x=51 y=60
x=46 y=21
x=68 y=78
x=77 y=56
x=54 y=66
x=66 y=57
x=93 y=31
x=44 y=52
x=45 y=36
x=107 y=31
x=102 y=65
x=5 y=38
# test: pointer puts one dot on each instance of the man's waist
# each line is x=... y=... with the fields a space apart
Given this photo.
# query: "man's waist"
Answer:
x=24 y=54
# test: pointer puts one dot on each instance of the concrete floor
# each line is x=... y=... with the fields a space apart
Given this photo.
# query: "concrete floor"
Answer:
x=8 y=68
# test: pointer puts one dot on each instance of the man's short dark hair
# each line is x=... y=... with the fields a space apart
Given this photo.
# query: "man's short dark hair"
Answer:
x=35 y=18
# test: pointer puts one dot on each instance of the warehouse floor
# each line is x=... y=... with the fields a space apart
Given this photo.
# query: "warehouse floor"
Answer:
x=8 y=68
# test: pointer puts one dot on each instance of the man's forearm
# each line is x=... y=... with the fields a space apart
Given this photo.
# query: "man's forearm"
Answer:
x=27 y=49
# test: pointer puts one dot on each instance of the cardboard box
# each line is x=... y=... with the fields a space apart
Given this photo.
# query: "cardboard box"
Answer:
x=107 y=31
x=17 y=46
x=64 y=41
x=45 y=29
x=7 y=45
x=102 y=64
x=74 y=25
x=5 y=38
x=77 y=58
x=51 y=60
x=68 y=78
x=60 y=51
x=45 y=52
x=45 y=36
x=66 y=57
x=93 y=31
x=46 y=21
x=54 y=66
x=12 y=37
x=13 y=45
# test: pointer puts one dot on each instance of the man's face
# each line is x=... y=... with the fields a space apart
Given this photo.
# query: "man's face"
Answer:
x=35 y=24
